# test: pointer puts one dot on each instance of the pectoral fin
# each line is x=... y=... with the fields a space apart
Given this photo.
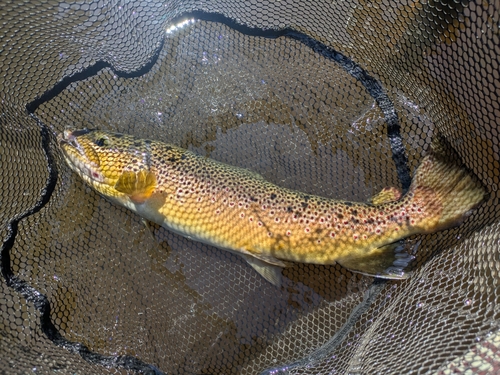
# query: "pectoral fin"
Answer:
x=270 y=272
x=137 y=185
x=386 y=262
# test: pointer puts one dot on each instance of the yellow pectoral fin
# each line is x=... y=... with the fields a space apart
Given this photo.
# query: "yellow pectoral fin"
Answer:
x=137 y=185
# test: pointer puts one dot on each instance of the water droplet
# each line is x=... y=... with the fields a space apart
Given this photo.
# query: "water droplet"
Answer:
x=204 y=58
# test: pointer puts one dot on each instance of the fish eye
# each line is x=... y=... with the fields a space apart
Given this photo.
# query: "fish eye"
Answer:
x=104 y=141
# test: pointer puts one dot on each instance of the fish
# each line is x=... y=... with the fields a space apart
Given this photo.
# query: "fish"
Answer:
x=271 y=227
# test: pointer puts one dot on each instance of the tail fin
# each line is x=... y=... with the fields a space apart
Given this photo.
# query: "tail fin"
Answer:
x=445 y=188
x=443 y=193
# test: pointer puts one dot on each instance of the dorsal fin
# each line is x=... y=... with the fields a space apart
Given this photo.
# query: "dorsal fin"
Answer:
x=137 y=185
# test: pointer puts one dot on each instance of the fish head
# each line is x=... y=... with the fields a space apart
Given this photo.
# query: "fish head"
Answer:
x=112 y=163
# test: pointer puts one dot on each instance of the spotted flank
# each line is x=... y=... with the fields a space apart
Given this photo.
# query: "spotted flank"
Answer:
x=237 y=210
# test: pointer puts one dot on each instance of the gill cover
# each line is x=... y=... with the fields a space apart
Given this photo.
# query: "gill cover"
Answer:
x=113 y=162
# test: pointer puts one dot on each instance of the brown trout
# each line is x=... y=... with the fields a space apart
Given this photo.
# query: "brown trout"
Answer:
x=238 y=210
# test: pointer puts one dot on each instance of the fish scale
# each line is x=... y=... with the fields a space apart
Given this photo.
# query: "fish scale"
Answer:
x=238 y=210
x=258 y=215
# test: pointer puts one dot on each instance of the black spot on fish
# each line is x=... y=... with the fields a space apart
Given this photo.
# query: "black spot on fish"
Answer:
x=118 y=135
x=173 y=159
x=304 y=205
x=148 y=141
x=340 y=216
x=289 y=209
x=370 y=220
x=273 y=196
x=306 y=197
x=354 y=212
x=355 y=221
x=183 y=156
x=253 y=199
x=348 y=204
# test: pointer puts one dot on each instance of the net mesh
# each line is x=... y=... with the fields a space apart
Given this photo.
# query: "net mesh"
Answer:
x=338 y=99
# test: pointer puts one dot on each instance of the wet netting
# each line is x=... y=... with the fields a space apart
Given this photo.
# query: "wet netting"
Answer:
x=334 y=98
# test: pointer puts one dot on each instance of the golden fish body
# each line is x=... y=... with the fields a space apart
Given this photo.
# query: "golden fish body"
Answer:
x=237 y=210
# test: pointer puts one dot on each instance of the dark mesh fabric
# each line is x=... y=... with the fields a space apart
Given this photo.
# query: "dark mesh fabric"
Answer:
x=336 y=99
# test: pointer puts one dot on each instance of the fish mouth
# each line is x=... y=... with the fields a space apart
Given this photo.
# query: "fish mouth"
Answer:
x=67 y=141
x=77 y=158
x=68 y=137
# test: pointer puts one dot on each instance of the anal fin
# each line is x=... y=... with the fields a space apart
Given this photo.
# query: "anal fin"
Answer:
x=385 y=262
